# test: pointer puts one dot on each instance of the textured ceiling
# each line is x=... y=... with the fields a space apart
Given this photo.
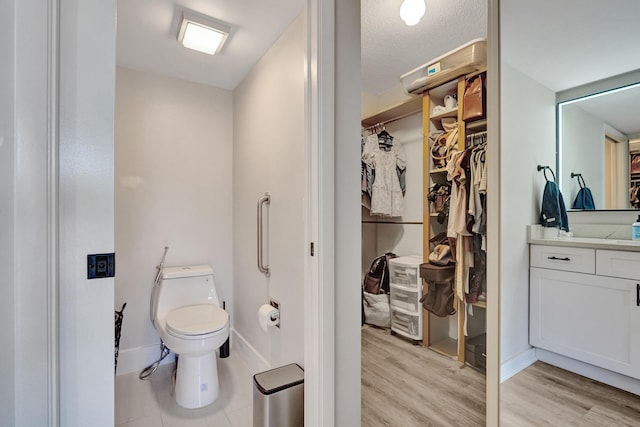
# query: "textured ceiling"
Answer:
x=390 y=48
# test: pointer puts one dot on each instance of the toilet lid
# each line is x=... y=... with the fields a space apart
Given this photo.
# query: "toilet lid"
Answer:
x=197 y=319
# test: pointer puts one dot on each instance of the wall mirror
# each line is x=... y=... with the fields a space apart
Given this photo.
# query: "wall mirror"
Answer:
x=598 y=143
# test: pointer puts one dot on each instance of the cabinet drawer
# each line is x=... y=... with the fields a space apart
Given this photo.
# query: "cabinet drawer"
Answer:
x=406 y=324
x=405 y=299
x=404 y=276
x=578 y=260
x=621 y=264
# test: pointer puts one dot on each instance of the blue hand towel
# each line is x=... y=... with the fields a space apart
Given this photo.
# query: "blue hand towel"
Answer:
x=554 y=212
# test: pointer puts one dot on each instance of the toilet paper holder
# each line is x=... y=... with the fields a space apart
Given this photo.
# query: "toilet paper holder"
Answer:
x=276 y=305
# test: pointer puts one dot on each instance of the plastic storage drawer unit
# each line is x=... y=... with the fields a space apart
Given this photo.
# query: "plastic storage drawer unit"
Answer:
x=405 y=299
x=278 y=397
x=404 y=271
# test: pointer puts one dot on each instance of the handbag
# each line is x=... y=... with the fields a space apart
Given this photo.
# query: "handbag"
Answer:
x=376 y=309
x=439 y=299
x=376 y=280
x=443 y=145
x=440 y=255
x=473 y=101
x=439 y=195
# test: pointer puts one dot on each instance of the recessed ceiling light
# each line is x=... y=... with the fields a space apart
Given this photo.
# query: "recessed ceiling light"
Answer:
x=203 y=34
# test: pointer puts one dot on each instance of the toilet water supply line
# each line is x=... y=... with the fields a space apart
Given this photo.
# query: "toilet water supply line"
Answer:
x=164 y=350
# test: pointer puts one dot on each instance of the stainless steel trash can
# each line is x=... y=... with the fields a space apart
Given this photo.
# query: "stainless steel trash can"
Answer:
x=278 y=397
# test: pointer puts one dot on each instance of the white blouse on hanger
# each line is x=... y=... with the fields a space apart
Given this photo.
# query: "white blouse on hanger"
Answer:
x=386 y=197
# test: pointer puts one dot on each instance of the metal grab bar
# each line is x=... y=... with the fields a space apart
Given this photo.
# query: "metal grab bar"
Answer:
x=266 y=199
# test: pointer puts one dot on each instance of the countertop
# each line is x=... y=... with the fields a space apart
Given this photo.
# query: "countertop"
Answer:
x=600 y=236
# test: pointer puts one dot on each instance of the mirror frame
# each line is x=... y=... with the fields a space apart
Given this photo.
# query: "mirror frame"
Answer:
x=599 y=87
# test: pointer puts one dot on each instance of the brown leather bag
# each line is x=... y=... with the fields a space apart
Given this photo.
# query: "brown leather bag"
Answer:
x=474 y=102
x=439 y=298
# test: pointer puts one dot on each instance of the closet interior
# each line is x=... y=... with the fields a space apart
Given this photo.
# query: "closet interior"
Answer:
x=424 y=190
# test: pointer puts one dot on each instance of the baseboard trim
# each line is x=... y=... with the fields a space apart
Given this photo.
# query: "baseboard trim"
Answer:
x=254 y=361
x=137 y=358
x=611 y=378
x=517 y=364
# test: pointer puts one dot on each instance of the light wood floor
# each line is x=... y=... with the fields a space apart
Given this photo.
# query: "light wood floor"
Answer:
x=406 y=385
x=543 y=395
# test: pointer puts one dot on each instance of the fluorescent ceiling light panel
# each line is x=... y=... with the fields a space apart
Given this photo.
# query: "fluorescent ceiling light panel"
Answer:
x=203 y=34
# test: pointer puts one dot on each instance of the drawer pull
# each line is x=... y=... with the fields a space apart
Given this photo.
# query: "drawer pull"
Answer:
x=638 y=294
x=555 y=258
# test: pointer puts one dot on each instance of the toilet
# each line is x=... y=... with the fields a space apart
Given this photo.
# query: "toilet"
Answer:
x=187 y=314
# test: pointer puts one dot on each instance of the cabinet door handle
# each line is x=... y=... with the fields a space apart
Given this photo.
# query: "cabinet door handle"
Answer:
x=638 y=294
x=555 y=258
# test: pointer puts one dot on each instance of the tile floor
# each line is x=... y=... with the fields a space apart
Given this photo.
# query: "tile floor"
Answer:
x=150 y=403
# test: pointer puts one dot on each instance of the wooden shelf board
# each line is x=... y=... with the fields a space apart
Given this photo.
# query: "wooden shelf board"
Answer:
x=481 y=304
x=438 y=170
x=446 y=114
x=447 y=347
x=411 y=106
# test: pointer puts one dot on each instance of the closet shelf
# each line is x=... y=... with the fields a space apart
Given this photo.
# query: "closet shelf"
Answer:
x=480 y=304
x=477 y=124
x=368 y=221
x=447 y=347
x=450 y=113
x=399 y=111
x=438 y=170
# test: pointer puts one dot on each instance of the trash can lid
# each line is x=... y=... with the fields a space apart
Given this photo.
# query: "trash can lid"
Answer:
x=277 y=379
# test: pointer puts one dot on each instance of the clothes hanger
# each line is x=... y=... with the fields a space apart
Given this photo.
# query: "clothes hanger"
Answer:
x=385 y=139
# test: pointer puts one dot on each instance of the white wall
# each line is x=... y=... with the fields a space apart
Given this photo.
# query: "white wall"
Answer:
x=173 y=188
x=527 y=140
x=269 y=156
x=86 y=209
x=348 y=298
x=7 y=218
x=582 y=152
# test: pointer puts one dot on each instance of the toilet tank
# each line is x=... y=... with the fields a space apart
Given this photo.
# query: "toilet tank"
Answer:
x=185 y=285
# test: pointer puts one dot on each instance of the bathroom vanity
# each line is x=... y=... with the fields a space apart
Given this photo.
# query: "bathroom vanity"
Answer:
x=585 y=304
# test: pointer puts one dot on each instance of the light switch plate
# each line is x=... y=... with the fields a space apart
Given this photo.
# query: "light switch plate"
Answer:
x=101 y=265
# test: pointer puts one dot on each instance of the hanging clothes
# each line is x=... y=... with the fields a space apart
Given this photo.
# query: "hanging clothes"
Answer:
x=368 y=144
x=387 y=159
x=458 y=227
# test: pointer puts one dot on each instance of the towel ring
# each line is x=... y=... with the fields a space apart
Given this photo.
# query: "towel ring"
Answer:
x=544 y=171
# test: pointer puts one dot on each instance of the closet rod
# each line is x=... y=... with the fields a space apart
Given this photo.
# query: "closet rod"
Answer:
x=392 y=222
x=386 y=122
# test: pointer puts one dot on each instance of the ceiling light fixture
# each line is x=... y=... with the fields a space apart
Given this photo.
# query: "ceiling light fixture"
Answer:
x=411 y=11
x=203 y=34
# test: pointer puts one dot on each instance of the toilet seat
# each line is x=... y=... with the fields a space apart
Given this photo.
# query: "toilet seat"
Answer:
x=196 y=320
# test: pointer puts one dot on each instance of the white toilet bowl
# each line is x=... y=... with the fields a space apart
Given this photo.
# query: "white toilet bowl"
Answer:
x=191 y=323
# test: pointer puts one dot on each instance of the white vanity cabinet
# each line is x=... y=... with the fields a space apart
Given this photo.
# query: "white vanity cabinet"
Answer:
x=585 y=304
